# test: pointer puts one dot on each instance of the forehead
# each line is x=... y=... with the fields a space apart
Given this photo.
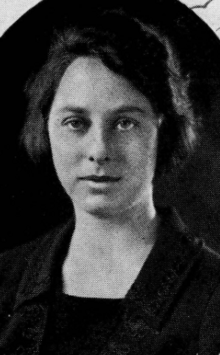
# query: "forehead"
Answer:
x=87 y=80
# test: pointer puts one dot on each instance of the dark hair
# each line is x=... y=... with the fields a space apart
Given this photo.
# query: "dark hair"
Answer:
x=131 y=49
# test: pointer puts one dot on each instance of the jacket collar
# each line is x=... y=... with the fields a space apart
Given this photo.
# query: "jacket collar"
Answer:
x=154 y=289
x=168 y=265
x=44 y=262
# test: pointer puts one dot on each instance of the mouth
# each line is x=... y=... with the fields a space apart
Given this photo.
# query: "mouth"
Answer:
x=100 y=179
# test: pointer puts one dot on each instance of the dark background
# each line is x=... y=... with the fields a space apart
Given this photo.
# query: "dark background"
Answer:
x=32 y=200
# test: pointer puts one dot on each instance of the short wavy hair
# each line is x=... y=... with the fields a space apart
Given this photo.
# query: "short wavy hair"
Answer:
x=130 y=48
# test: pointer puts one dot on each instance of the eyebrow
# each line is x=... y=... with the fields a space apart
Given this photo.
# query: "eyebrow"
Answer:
x=120 y=110
x=75 y=109
x=131 y=109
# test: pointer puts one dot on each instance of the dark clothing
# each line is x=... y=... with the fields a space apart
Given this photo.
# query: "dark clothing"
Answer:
x=76 y=325
x=173 y=307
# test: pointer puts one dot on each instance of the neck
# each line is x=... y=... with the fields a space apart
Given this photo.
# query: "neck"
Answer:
x=115 y=234
x=106 y=253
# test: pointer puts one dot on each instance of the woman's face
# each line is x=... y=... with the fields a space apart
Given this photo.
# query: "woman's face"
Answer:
x=103 y=136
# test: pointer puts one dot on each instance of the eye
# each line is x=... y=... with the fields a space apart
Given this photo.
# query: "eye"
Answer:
x=75 y=124
x=126 y=124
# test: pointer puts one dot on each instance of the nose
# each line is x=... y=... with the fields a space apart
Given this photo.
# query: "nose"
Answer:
x=98 y=149
x=99 y=160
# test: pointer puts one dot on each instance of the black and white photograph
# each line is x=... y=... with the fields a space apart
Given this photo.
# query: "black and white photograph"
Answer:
x=110 y=146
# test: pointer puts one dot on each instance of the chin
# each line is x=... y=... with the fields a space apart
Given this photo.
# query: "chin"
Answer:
x=101 y=208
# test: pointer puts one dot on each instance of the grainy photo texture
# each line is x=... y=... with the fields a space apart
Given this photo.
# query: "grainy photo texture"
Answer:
x=110 y=140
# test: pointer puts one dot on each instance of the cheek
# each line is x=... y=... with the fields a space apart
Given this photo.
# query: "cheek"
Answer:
x=64 y=148
x=66 y=159
x=142 y=151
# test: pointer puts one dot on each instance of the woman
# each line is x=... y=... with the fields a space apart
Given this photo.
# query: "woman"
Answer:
x=111 y=114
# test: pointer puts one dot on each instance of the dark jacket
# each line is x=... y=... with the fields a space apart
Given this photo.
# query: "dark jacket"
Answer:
x=173 y=307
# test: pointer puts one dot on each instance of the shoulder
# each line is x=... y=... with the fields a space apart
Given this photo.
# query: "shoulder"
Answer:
x=197 y=265
x=15 y=262
x=206 y=278
x=210 y=262
x=204 y=274
x=204 y=259
x=202 y=293
x=210 y=324
x=195 y=311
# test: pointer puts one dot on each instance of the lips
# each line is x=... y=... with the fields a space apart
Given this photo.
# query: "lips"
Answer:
x=100 y=179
